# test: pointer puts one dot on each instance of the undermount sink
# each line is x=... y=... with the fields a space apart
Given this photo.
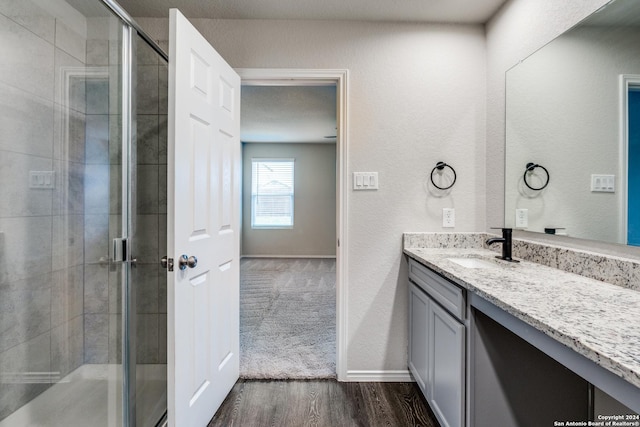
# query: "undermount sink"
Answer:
x=473 y=262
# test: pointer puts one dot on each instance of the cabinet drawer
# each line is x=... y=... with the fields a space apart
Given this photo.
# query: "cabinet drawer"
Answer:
x=445 y=293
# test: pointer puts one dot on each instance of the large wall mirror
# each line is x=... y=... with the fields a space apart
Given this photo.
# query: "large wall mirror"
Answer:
x=573 y=110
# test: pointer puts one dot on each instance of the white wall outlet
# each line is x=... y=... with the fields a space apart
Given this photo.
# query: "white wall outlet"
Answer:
x=603 y=183
x=448 y=217
x=365 y=180
x=522 y=218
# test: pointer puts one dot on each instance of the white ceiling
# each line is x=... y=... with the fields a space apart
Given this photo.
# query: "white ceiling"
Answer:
x=454 y=11
x=288 y=114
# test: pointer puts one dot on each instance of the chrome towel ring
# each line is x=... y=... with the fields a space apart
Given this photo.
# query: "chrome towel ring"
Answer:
x=530 y=168
x=440 y=166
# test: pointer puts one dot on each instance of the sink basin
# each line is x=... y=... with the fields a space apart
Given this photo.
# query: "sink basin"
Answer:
x=473 y=262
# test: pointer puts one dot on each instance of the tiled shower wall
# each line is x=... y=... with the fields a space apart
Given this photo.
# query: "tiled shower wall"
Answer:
x=41 y=230
x=103 y=221
x=150 y=237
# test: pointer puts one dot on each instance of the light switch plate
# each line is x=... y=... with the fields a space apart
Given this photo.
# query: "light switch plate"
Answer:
x=365 y=180
x=603 y=183
x=42 y=179
x=448 y=217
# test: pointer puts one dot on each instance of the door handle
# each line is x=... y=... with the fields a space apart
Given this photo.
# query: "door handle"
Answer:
x=187 y=261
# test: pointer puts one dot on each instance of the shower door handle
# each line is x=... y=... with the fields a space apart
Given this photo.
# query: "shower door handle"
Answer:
x=187 y=261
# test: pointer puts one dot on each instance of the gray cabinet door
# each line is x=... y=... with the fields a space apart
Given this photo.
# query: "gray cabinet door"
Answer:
x=446 y=367
x=419 y=304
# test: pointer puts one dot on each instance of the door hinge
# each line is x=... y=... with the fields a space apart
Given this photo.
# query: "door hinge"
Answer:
x=167 y=263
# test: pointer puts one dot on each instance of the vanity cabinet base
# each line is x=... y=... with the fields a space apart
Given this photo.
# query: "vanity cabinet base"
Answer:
x=514 y=384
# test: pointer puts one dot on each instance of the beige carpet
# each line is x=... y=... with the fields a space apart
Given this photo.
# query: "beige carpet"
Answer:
x=287 y=318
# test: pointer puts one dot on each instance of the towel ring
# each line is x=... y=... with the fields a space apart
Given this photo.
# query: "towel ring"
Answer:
x=530 y=168
x=440 y=166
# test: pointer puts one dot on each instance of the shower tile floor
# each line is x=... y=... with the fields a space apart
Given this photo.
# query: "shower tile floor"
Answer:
x=89 y=396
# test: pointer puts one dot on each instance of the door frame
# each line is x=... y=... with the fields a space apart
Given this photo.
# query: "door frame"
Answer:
x=626 y=81
x=308 y=77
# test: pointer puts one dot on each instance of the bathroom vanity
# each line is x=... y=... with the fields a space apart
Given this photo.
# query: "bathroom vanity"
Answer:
x=500 y=343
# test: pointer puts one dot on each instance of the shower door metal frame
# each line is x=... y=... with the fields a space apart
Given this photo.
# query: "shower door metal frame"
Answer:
x=130 y=30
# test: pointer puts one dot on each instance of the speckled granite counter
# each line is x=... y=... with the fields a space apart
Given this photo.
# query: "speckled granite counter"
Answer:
x=598 y=320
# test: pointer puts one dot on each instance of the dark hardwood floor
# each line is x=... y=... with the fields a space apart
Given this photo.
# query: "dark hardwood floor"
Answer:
x=266 y=403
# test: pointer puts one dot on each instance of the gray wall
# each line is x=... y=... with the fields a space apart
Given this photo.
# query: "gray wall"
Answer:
x=416 y=97
x=314 y=222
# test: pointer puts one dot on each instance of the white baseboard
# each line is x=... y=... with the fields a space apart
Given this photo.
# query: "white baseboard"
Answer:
x=399 y=376
x=290 y=256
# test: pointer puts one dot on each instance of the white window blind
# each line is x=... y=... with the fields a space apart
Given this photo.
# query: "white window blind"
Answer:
x=272 y=193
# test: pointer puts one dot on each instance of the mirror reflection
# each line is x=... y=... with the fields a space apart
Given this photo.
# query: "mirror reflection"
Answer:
x=573 y=108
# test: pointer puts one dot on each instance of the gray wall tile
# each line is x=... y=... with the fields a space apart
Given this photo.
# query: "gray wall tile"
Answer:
x=162 y=338
x=18 y=69
x=25 y=118
x=96 y=289
x=31 y=16
x=96 y=338
x=25 y=310
x=147 y=139
x=145 y=242
x=20 y=199
x=97 y=95
x=147 y=339
x=162 y=139
x=115 y=338
x=68 y=134
x=31 y=356
x=67 y=295
x=147 y=189
x=96 y=238
x=115 y=139
x=71 y=42
x=25 y=245
x=115 y=189
x=67 y=346
x=162 y=189
x=68 y=241
x=145 y=281
x=163 y=87
x=98 y=52
x=115 y=289
x=68 y=194
x=145 y=55
x=147 y=89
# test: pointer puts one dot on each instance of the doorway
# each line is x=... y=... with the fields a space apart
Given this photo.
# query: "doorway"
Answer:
x=633 y=171
x=337 y=80
x=629 y=181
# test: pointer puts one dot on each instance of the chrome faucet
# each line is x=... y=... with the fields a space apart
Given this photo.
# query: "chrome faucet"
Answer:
x=507 y=244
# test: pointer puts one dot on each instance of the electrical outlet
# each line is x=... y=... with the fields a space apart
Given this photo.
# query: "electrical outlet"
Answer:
x=448 y=217
x=522 y=218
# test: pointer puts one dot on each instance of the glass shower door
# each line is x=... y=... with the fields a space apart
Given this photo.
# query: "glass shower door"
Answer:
x=61 y=191
x=148 y=282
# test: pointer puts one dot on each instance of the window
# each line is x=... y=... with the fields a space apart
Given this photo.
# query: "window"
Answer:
x=272 y=193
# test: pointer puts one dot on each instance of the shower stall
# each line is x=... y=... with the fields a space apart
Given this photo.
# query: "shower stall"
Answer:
x=83 y=172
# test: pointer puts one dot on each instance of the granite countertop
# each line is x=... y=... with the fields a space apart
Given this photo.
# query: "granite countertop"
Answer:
x=598 y=320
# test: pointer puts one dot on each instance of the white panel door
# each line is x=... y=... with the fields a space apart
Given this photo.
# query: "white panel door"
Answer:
x=204 y=220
